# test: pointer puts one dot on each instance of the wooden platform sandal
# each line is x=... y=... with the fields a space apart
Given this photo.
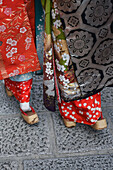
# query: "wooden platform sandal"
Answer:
x=9 y=93
x=30 y=117
x=100 y=124
x=68 y=123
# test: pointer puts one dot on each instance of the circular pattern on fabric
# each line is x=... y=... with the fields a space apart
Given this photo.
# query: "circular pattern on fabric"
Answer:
x=98 y=12
x=89 y=79
x=80 y=43
x=104 y=53
x=68 y=5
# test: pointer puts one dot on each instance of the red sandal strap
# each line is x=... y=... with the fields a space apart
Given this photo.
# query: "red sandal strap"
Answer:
x=26 y=113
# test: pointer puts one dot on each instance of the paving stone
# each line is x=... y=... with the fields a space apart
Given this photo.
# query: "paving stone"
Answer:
x=18 y=138
x=8 y=105
x=9 y=165
x=97 y=162
x=37 y=94
x=81 y=138
x=107 y=96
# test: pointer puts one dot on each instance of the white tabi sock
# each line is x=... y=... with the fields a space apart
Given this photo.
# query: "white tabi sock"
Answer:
x=25 y=106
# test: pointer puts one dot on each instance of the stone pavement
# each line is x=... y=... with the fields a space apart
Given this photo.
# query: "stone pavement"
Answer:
x=49 y=145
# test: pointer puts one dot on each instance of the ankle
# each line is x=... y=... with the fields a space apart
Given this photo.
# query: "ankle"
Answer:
x=25 y=106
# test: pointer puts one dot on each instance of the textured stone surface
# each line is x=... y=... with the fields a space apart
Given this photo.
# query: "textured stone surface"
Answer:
x=9 y=165
x=37 y=94
x=81 y=138
x=19 y=138
x=107 y=96
x=104 y=162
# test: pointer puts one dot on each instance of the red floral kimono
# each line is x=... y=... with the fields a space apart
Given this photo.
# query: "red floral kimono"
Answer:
x=17 y=48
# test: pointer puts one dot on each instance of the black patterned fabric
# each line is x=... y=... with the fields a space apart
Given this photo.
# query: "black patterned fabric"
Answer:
x=88 y=26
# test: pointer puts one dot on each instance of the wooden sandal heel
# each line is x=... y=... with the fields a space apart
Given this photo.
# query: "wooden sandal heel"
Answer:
x=9 y=93
x=100 y=124
x=32 y=118
x=68 y=123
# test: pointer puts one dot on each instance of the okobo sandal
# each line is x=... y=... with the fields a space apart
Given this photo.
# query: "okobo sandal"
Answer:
x=9 y=93
x=30 y=117
x=68 y=123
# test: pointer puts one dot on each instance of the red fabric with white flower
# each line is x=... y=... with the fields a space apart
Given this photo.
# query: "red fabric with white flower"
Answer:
x=86 y=111
x=17 y=48
x=21 y=90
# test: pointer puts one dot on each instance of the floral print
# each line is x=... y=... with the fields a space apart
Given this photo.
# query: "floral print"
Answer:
x=104 y=53
x=8 y=11
x=81 y=43
x=68 y=5
x=23 y=30
x=21 y=58
x=57 y=60
x=2 y=28
x=16 y=52
x=98 y=12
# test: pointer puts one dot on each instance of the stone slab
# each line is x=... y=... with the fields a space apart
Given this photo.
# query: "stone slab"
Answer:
x=17 y=138
x=107 y=96
x=81 y=138
x=96 y=162
x=9 y=165
x=37 y=94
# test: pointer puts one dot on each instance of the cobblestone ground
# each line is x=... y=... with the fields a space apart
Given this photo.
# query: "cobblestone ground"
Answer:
x=49 y=145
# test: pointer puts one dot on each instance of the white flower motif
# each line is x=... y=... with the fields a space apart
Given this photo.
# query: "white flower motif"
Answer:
x=66 y=58
x=51 y=72
x=11 y=74
x=53 y=14
x=14 y=43
x=9 y=55
x=57 y=23
x=62 y=68
x=57 y=48
x=9 y=41
x=66 y=86
x=28 y=40
x=56 y=11
x=62 y=78
x=58 y=67
x=48 y=71
x=40 y=27
x=16 y=72
x=48 y=65
x=66 y=81
x=23 y=30
x=57 y=62
x=13 y=50
x=2 y=28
